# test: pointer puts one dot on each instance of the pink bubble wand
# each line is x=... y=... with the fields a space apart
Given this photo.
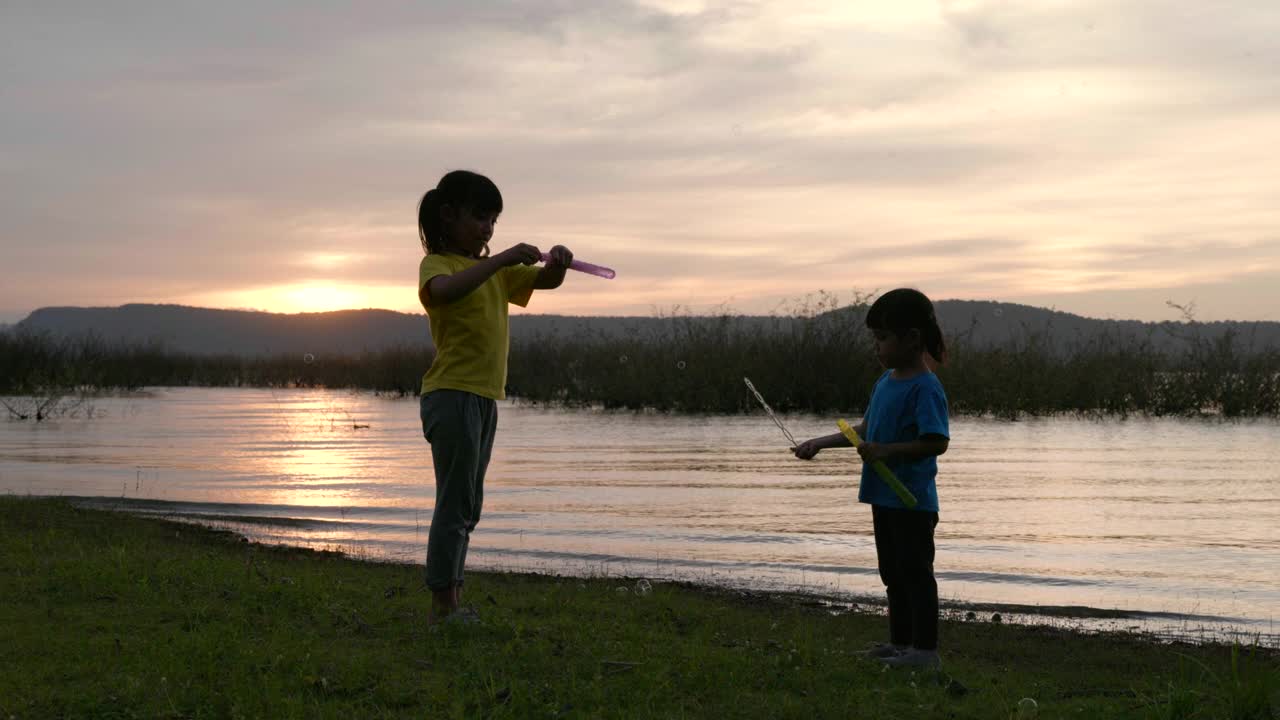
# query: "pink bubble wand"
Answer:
x=586 y=267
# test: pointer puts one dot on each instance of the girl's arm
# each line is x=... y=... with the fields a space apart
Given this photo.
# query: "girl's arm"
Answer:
x=925 y=446
x=834 y=440
x=837 y=440
x=809 y=448
x=552 y=274
x=444 y=289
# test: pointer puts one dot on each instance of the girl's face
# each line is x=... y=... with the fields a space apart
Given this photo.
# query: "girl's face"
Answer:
x=468 y=230
x=897 y=350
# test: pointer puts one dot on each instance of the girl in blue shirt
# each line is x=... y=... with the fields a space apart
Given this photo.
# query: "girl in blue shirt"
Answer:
x=906 y=427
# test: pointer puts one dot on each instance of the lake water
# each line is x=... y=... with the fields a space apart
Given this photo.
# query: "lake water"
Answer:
x=1176 y=522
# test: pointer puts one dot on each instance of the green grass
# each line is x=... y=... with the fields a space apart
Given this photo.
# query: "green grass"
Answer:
x=106 y=615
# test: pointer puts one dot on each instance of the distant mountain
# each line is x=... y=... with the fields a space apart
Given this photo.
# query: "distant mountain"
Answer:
x=209 y=331
x=996 y=323
x=206 y=331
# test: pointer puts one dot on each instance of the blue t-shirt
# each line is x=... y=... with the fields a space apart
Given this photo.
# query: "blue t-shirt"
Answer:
x=902 y=411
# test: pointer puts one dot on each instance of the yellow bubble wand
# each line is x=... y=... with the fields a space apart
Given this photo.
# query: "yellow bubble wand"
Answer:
x=881 y=469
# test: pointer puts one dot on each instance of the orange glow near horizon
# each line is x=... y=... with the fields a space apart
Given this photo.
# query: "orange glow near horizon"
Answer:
x=581 y=296
x=314 y=297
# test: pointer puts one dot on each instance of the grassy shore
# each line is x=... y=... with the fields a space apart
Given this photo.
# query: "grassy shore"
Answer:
x=106 y=615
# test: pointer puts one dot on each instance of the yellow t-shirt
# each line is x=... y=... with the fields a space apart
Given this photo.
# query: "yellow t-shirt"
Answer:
x=471 y=333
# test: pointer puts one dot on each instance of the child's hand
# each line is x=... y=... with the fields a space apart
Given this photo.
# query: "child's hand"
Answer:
x=522 y=254
x=560 y=256
x=872 y=452
x=807 y=449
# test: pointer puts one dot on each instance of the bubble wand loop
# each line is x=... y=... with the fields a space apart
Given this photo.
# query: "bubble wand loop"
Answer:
x=586 y=267
x=881 y=469
x=769 y=410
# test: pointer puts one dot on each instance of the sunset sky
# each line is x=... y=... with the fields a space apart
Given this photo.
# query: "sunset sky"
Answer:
x=1095 y=156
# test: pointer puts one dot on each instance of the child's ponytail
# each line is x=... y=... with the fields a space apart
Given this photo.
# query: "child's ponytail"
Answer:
x=429 y=222
x=904 y=309
x=464 y=191
x=933 y=342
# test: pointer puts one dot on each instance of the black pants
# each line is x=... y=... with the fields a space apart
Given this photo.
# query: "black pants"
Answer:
x=904 y=552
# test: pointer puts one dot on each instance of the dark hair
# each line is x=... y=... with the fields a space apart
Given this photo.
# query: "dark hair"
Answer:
x=900 y=310
x=463 y=190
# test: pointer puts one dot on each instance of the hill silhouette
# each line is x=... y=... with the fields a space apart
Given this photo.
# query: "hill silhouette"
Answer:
x=207 y=331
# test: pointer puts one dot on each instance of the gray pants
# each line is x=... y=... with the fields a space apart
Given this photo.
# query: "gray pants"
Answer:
x=460 y=427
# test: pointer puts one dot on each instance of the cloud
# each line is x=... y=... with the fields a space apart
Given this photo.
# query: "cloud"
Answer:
x=706 y=149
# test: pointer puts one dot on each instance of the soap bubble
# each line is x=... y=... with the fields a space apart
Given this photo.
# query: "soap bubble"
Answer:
x=622 y=359
x=308 y=359
x=1027 y=708
x=680 y=365
x=643 y=587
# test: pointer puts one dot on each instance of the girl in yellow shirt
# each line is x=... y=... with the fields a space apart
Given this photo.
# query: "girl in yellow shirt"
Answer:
x=465 y=292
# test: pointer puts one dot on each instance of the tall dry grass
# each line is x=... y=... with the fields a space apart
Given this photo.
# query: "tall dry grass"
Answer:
x=816 y=357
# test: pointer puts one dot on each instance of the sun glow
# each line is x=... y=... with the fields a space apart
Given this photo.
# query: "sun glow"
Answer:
x=314 y=297
x=319 y=298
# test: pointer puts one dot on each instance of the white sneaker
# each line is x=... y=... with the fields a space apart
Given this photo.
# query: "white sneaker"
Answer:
x=465 y=615
x=461 y=616
x=883 y=651
x=915 y=658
